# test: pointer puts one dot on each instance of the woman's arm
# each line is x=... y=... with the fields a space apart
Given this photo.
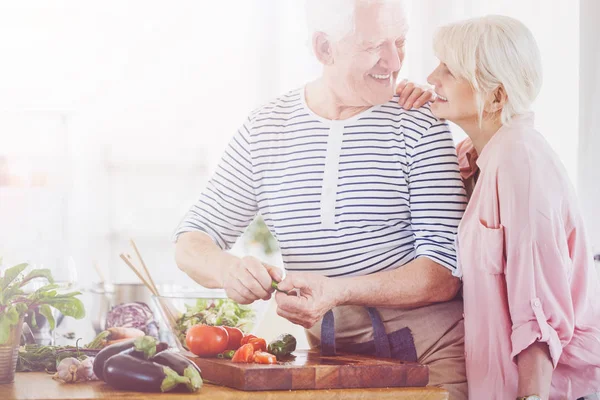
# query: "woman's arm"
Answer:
x=537 y=269
x=535 y=371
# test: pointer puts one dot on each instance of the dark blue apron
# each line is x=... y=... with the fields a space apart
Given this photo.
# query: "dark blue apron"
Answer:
x=399 y=345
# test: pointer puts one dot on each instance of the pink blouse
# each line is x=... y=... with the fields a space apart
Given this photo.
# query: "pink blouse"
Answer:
x=528 y=272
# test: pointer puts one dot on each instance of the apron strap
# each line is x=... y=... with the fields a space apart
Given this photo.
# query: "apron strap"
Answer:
x=328 y=334
x=382 y=343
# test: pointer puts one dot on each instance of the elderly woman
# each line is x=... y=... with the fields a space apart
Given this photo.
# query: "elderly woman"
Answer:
x=531 y=294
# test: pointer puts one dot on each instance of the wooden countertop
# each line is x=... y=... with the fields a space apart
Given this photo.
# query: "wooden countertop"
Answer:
x=40 y=386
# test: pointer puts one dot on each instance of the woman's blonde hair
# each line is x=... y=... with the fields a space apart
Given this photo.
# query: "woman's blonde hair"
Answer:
x=491 y=52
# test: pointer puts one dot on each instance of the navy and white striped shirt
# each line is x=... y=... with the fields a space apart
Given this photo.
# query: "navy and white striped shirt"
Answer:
x=351 y=197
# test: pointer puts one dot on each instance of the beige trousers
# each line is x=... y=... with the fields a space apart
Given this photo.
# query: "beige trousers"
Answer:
x=438 y=332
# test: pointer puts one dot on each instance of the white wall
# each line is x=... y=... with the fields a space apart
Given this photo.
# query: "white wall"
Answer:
x=135 y=100
x=152 y=90
x=152 y=93
x=555 y=25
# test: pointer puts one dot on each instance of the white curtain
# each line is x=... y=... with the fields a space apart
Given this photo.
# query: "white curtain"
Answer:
x=589 y=141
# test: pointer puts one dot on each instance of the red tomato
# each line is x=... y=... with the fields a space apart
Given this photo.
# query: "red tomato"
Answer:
x=246 y=338
x=244 y=354
x=261 y=357
x=259 y=344
x=235 y=338
x=206 y=341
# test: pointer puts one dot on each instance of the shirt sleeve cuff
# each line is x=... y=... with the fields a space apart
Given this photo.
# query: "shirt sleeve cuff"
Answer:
x=537 y=330
x=442 y=256
x=179 y=232
x=184 y=229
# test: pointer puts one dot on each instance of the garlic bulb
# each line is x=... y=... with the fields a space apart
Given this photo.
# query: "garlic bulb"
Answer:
x=85 y=371
x=67 y=370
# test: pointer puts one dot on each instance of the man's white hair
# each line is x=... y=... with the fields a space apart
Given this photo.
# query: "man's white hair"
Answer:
x=335 y=17
x=490 y=52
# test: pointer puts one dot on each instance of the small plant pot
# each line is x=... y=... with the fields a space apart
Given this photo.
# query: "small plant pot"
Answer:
x=9 y=352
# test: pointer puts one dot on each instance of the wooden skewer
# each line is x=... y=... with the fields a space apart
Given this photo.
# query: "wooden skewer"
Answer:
x=153 y=289
x=126 y=258
x=169 y=314
x=137 y=252
x=149 y=282
x=129 y=261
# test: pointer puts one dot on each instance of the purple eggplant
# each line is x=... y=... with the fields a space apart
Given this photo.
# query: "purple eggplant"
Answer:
x=126 y=372
x=107 y=353
x=183 y=366
x=143 y=348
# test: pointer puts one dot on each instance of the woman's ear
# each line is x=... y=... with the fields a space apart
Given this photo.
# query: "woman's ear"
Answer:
x=322 y=48
x=496 y=100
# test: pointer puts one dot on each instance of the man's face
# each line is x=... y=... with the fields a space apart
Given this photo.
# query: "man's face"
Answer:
x=367 y=61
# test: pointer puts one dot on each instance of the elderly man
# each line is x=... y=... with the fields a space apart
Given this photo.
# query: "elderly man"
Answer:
x=363 y=196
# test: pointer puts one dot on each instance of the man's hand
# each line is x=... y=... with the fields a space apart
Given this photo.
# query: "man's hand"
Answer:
x=413 y=96
x=248 y=280
x=316 y=295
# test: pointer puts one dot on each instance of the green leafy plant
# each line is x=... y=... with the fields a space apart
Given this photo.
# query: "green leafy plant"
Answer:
x=15 y=302
x=258 y=232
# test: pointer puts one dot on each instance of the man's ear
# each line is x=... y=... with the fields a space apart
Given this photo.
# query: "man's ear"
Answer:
x=322 y=48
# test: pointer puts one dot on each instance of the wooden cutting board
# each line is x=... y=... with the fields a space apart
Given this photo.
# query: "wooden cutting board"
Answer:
x=310 y=370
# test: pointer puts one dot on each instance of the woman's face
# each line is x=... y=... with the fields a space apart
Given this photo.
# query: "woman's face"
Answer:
x=456 y=100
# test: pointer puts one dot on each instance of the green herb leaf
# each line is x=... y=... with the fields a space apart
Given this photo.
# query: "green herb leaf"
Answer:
x=70 y=306
x=47 y=312
x=38 y=273
x=8 y=319
x=33 y=319
x=14 y=302
x=11 y=274
x=11 y=315
x=47 y=288
x=70 y=294
x=51 y=293
x=10 y=292
x=4 y=328
x=98 y=341
x=21 y=308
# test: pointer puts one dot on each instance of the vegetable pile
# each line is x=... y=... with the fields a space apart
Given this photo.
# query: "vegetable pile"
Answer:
x=144 y=365
x=227 y=342
x=255 y=350
x=36 y=358
x=220 y=312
